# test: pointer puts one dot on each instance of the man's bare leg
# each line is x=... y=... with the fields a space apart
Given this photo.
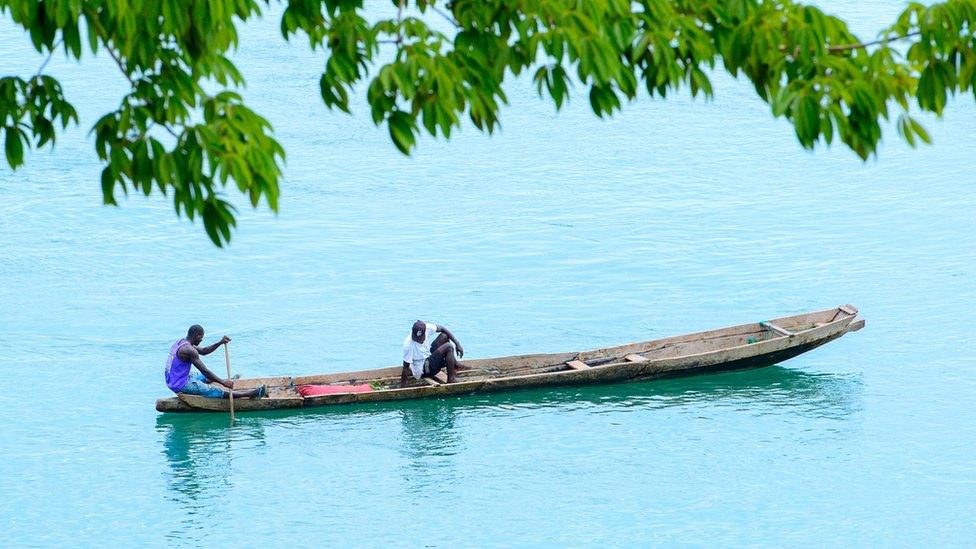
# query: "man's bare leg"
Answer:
x=257 y=392
x=451 y=361
x=446 y=354
x=438 y=345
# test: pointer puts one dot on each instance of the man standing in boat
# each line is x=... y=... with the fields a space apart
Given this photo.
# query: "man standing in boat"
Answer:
x=186 y=352
x=428 y=349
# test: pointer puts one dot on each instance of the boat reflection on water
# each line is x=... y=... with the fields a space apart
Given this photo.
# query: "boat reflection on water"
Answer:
x=765 y=390
x=433 y=431
x=199 y=449
x=430 y=440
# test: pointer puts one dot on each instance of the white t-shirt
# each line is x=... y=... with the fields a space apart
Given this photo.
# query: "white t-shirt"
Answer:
x=416 y=353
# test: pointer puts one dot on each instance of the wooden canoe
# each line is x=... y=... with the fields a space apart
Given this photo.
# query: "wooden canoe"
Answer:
x=746 y=346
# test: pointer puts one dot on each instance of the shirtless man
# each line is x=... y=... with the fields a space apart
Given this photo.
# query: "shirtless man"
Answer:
x=427 y=349
x=187 y=351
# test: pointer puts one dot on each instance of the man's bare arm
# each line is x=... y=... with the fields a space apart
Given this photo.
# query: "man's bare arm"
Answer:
x=213 y=347
x=194 y=357
x=403 y=374
x=457 y=344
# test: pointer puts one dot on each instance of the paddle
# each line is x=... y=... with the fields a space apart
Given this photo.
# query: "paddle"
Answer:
x=230 y=394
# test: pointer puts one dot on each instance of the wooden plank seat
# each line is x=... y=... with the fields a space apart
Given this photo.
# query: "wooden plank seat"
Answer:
x=777 y=329
x=577 y=365
x=635 y=358
x=439 y=379
x=844 y=309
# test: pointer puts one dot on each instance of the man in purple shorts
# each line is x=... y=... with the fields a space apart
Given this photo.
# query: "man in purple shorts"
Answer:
x=186 y=352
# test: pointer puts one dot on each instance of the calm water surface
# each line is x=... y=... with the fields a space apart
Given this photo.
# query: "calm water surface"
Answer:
x=562 y=232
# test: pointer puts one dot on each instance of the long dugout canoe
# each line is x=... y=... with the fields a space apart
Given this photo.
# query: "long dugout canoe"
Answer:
x=734 y=348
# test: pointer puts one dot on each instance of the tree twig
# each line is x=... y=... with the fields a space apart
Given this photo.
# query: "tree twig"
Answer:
x=399 y=39
x=49 y=55
x=118 y=61
x=848 y=47
x=447 y=16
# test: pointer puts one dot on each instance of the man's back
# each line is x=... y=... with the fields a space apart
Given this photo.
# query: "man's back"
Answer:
x=177 y=369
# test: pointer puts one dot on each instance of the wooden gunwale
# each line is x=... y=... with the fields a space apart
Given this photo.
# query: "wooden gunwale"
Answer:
x=605 y=365
x=766 y=346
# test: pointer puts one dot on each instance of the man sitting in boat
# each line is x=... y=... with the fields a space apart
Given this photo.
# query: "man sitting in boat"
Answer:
x=427 y=350
x=187 y=351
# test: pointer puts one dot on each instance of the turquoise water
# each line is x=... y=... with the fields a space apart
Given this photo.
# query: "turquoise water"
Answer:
x=562 y=232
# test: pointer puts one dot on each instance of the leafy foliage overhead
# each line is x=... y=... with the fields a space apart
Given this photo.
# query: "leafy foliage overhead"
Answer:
x=169 y=133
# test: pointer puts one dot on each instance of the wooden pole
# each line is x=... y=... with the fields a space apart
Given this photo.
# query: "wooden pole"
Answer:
x=231 y=394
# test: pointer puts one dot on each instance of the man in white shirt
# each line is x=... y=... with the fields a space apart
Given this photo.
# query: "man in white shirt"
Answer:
x=429 y=348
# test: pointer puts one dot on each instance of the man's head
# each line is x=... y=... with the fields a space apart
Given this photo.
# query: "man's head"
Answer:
x=417 y=332
x=195 y=334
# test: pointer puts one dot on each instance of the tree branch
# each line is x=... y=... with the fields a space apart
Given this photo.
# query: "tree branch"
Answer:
x=118 y=61
x=447 y=16
x=848 y=47
x=399 y=39
x=49 y=55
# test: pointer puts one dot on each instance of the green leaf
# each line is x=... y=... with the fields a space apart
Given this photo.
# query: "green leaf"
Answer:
x=72 y=38
x=44 y=131
x=906 y=131
x=401 y=130
x=919 y=130
x=108 y=187
x=13 y=147
x=806 y=117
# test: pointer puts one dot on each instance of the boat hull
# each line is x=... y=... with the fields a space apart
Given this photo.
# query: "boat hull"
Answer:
x=672 y=357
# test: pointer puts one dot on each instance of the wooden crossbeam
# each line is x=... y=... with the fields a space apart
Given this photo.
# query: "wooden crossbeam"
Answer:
x=635 y=358
x=848 y=309
x=577 y=365
x=438 y=379
x=777 y=329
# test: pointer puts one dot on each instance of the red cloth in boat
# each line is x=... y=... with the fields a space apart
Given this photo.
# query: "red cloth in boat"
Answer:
x=313 y=390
